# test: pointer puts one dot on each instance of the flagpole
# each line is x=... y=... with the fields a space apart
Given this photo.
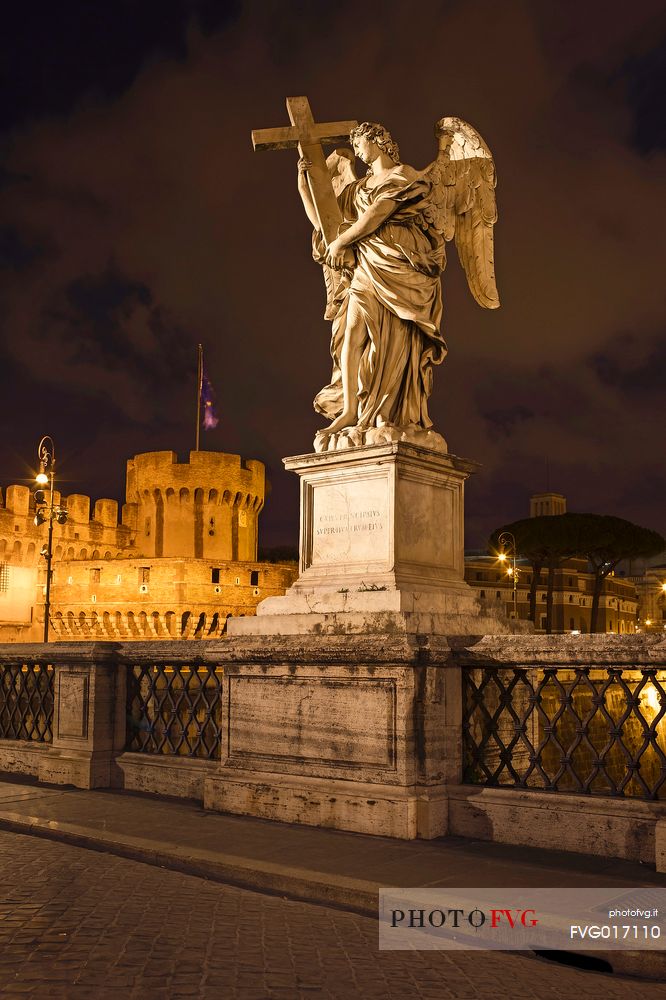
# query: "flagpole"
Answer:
x=199 y=378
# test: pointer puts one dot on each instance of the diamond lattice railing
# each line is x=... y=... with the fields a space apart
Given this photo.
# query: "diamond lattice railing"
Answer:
x=26 y=702
x=586 y=730
x=174 y=710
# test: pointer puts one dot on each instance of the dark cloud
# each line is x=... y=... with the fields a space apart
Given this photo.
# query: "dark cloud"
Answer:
x=644 y=78
x=130 y=170
x=634 y=366
x=57 y=54
x=503 y=421
x=16 y=252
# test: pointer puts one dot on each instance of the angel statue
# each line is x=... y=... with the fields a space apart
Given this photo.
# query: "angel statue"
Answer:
x=384 y=291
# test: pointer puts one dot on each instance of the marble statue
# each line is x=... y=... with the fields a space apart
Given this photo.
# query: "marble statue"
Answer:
x=383 y=252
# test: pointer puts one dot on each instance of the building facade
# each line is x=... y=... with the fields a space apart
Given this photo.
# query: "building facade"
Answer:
x=649 y=579
x=573 y=587
x=180 y=559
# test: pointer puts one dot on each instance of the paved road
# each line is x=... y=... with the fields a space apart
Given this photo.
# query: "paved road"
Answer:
x=77 y=923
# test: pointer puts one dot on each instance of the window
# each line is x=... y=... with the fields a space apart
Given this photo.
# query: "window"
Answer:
x=477 y=576
x=95 y=575
x=4 y=578
x=498 y=594
x=254 y=577
x=483 y=593
x=571 y=601
x=570 y=581
x=147 y=526
x=214 y=576
x=144 y=574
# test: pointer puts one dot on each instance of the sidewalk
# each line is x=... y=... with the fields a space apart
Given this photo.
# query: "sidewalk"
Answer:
x=324 y=866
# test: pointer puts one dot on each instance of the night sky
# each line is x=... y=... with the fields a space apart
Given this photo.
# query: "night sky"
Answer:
x=136 y=221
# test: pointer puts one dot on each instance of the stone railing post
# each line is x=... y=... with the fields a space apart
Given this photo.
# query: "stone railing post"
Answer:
x=89 y=714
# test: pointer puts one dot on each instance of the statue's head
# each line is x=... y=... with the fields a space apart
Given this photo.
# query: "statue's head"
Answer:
x=378 y=135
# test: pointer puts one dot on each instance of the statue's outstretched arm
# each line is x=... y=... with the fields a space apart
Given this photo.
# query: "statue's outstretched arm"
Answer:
x=304 y=191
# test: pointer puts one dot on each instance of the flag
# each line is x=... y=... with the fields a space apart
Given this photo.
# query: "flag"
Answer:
x=210 y=418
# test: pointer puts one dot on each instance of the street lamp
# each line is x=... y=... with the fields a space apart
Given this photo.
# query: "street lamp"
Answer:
x=47 y=510
x=504 y=540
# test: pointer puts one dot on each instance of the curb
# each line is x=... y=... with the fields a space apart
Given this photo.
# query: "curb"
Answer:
x=299 y=884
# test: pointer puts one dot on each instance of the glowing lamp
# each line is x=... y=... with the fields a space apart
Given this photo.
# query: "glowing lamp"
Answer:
x=41 y=478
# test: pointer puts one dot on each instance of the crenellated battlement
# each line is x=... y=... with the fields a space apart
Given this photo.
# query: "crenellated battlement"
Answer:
x=212 y=476
x=207 y=507
x=18 y=501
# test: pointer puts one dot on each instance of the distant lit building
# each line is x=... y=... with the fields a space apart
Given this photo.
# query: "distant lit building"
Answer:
x=572 y=592
x=649 y=579
x=176 y=564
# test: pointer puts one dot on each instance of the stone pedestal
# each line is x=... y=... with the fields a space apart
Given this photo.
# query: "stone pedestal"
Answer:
x=381 y=547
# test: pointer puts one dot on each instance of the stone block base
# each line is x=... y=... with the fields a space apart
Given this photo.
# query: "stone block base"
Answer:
x=162 y=775
x=383 y=810
x=455 y=611
x=21 y=757
x=615 y=828
x=79 y=768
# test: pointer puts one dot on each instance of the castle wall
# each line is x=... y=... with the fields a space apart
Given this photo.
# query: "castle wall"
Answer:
x=151 y=573
x=206 y=508
x=148 y=598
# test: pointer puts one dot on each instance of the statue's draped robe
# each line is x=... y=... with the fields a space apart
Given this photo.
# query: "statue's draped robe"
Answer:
x=397 y=287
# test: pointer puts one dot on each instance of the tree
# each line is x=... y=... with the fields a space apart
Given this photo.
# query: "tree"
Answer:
x=603 y=540
x=606 y=541
x=547 y=542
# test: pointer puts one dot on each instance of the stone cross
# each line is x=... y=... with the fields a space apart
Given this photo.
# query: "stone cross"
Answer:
x=308 y=136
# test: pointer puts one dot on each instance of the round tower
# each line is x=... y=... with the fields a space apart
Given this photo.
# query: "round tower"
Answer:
x=206 y=508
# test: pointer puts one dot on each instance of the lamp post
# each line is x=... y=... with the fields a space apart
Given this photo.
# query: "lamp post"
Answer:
x=506 y=538
x=47 y=510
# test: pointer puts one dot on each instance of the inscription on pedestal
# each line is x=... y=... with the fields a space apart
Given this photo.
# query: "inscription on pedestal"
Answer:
x=73 y=705
x=350 y=522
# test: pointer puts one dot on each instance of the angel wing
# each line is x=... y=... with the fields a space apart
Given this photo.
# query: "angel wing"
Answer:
x=462 y=204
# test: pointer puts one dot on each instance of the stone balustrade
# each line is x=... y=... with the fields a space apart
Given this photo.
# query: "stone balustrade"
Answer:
x=402 y=735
